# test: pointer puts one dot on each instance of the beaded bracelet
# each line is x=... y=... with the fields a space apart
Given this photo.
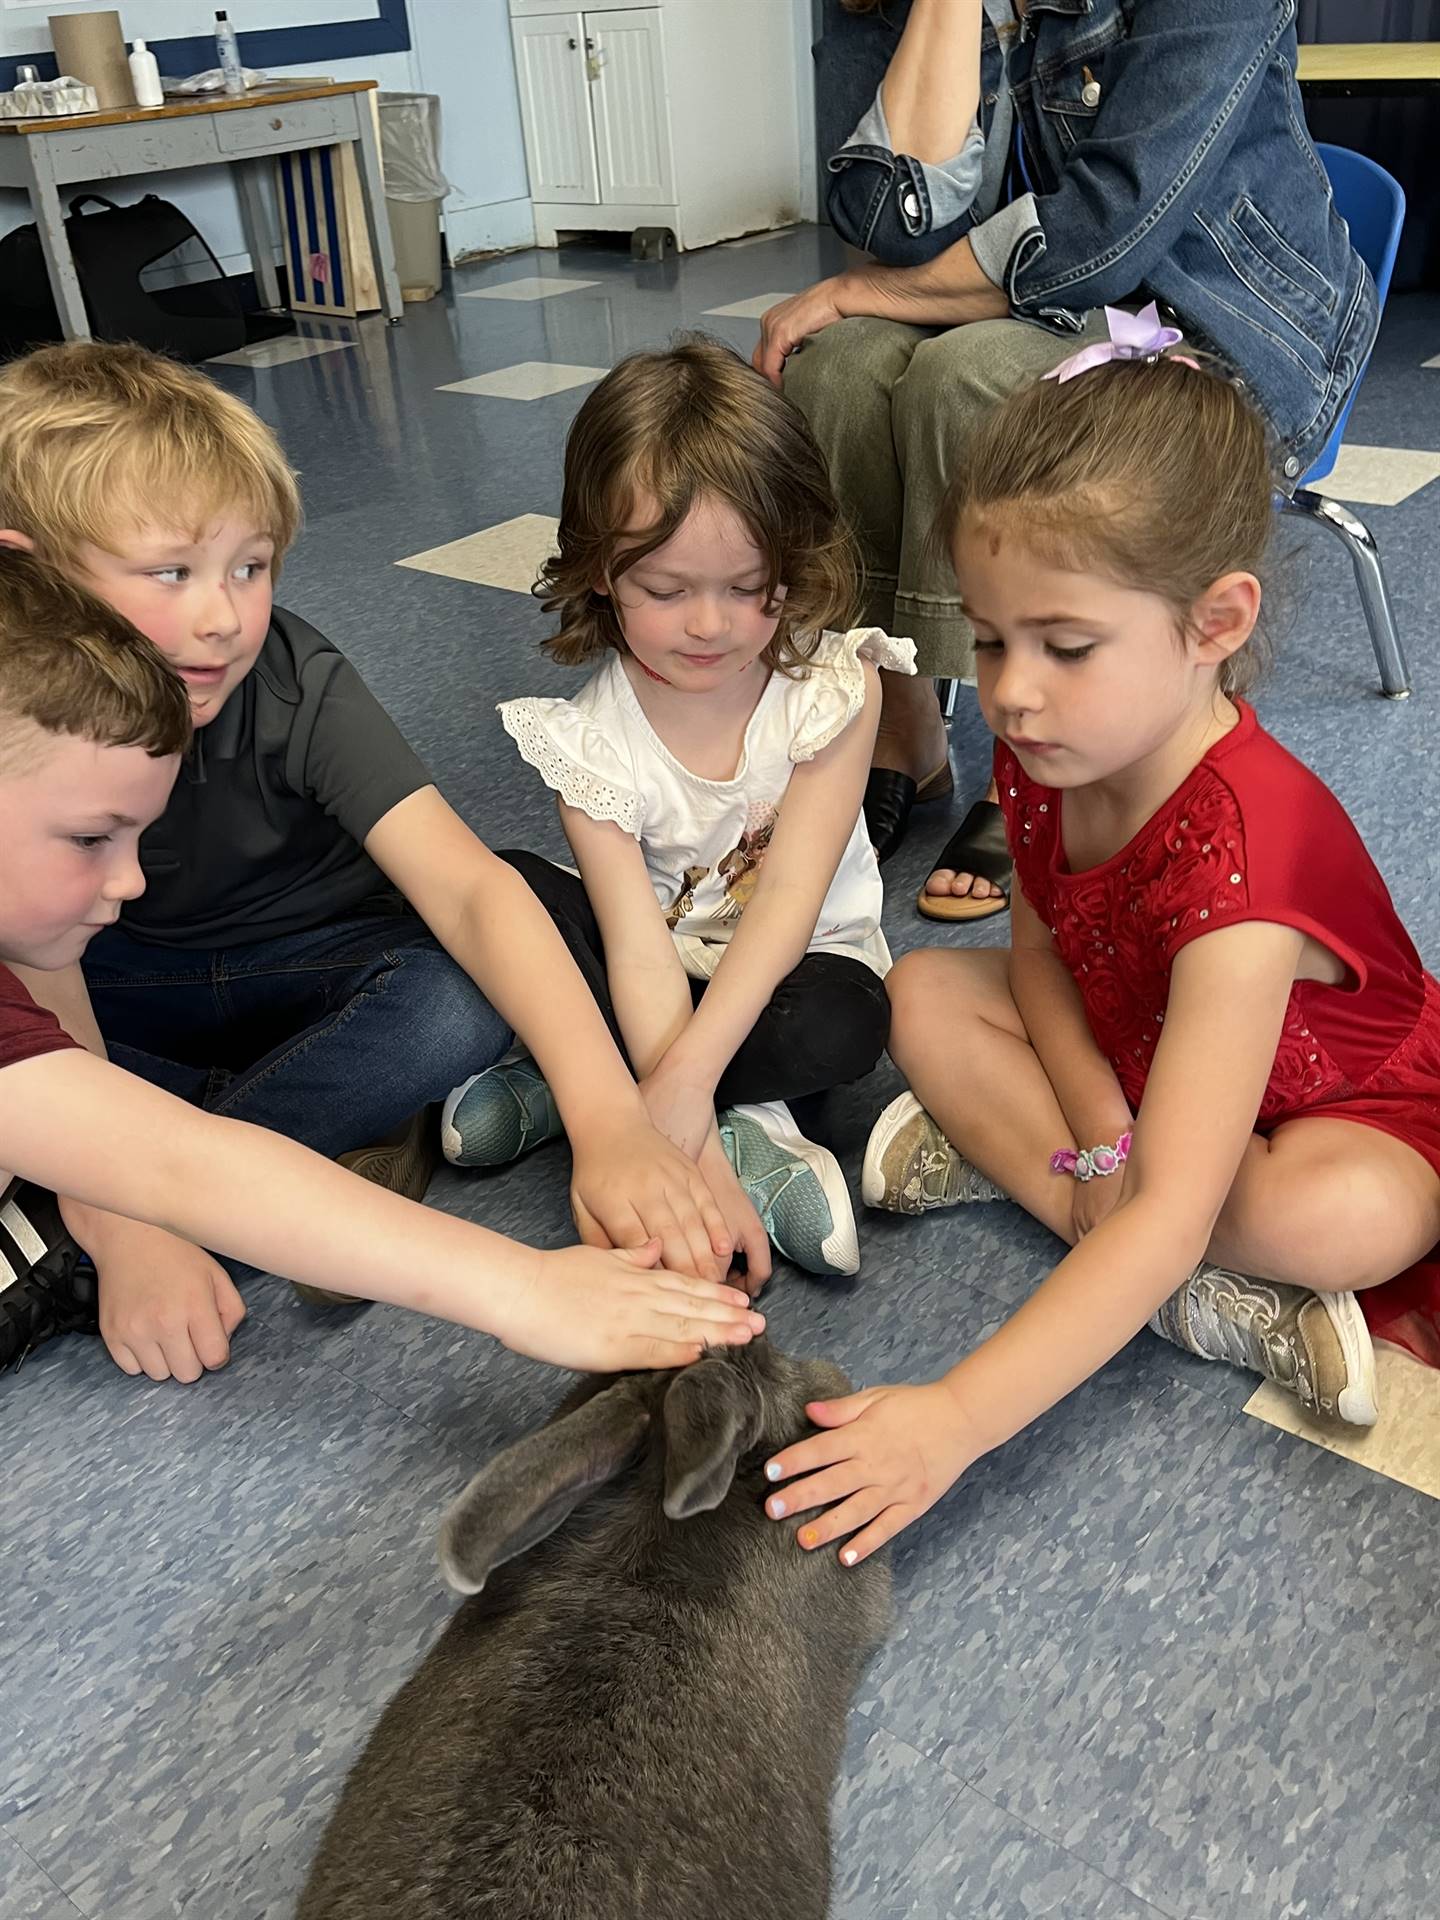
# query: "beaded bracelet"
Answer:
x=1092 y=1163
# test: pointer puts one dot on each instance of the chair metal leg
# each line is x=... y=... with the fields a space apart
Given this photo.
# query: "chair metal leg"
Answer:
x=1364 y=555
x=949 y=692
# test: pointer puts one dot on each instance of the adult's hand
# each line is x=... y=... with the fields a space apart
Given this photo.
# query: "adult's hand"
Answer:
x=788 y=325
x=949 y=291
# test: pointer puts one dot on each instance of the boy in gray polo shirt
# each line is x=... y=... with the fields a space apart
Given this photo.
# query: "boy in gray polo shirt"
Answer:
x=323 y=946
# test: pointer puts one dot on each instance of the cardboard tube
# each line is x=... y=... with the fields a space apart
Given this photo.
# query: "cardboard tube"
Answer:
x=91 y=47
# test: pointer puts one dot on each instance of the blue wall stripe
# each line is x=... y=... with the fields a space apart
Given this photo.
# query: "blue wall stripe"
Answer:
x=388 y=31
x=336 y=238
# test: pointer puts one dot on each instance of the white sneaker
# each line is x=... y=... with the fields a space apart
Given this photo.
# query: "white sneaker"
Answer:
x=795 y=1186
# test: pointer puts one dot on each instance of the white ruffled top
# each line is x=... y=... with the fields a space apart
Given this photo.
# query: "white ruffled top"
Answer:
x=704 y=841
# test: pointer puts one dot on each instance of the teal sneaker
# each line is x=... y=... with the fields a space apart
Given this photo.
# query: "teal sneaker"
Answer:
x=796 y=1188
x=495 y=1116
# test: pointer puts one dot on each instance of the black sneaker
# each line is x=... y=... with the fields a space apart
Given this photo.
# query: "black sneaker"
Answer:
x=48 y=1283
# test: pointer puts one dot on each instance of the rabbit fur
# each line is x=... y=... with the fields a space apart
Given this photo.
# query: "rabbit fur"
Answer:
x=640 y=1713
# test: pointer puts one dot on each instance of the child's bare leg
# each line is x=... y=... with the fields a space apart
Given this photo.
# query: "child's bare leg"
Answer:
x=1328 y=1205
x=957 y=1036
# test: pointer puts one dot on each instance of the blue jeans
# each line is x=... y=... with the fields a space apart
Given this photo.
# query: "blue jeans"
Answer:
x=335 y=1036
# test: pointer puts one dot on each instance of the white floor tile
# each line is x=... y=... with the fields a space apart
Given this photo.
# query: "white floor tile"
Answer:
x=751 y=309
x=509 y=555
x=528 y=380
x=1379 y=476
x=1404 y=1444
x=533 y=287
x=277 y=352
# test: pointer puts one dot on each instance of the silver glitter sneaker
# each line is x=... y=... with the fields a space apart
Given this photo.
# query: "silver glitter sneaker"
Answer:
x=910 y=1167
x=1314 y=1345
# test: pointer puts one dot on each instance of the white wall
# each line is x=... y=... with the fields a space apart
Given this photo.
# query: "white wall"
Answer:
x=462 y=52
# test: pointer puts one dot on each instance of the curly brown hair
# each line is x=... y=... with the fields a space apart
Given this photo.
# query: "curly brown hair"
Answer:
x=691 y=422
x=1158 y=475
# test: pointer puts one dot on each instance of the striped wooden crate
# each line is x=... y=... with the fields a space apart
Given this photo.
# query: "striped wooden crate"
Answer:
x=322 y=218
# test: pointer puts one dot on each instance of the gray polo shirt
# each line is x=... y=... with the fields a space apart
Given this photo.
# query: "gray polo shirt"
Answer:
x=264 y=831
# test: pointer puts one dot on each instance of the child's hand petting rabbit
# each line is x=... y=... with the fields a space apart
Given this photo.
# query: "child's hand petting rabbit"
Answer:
x=598 y=1311
x=886 y=1456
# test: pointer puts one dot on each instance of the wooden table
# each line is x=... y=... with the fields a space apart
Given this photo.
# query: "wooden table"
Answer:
x=246 y=132
x=1370 y=67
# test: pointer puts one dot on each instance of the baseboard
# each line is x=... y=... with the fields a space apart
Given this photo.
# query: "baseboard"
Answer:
x=498 y=227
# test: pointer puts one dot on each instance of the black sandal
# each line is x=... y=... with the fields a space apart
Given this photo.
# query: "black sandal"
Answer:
x=889 y=796
x=976 y=847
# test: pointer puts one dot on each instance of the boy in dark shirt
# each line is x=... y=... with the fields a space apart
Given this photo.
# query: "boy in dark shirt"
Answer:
x=323 y=947
x=92 y=725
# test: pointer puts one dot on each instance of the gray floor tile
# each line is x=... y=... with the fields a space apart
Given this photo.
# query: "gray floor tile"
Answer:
x=982 y=1862
x=26 y=1893
x=1200 y=1738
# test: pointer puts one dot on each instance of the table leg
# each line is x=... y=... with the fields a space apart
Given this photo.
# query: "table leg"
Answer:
x=50 y=220
x=372 y=188
x=255 y=218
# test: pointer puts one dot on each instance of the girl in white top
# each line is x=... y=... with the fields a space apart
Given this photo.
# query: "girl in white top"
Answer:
x=709 y=777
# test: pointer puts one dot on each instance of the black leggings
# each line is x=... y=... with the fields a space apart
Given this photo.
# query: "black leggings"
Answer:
x=827 y=1022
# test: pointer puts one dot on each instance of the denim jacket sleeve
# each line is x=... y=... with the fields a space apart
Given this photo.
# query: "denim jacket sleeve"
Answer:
x=889 y=205
x=1177 y=89
x=887 y=202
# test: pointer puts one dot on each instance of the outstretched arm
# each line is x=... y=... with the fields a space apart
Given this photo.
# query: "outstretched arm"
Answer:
x=115 y=1142
x=629 y=1184
x=889 y=1453
x=651 y=996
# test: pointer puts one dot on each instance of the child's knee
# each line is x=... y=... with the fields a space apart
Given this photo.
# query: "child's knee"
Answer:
x=922 y=985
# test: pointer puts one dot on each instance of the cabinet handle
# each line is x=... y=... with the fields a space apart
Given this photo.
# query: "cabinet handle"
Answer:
x=277 y=125
x=574 y=43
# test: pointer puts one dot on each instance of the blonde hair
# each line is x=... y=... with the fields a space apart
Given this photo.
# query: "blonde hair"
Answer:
x=97 y=441
x=70 y=664
x=1156 y=474
x=689 y=423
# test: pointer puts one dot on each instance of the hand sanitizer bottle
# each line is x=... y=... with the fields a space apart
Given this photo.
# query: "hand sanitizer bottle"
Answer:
x=145 y=76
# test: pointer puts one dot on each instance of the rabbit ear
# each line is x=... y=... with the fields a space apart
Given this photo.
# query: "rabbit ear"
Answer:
x=526 y=1491
x=712 y=1414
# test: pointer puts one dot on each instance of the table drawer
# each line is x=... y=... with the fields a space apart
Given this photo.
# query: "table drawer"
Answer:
x=275 y=127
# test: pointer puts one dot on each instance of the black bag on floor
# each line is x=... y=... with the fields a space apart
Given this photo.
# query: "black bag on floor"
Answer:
x=113 y=250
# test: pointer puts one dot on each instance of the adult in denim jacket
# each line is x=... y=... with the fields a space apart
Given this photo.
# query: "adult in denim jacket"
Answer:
x=1165 y=157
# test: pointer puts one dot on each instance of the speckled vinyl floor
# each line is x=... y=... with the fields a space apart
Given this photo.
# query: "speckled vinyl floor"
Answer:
x=1159 y=1660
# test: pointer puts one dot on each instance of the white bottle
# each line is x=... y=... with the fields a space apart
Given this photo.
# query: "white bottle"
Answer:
x=145 y=76
x=228 y=47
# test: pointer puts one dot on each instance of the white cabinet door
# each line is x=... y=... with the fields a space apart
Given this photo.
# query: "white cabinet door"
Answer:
x=550 y=62
x=632 y=119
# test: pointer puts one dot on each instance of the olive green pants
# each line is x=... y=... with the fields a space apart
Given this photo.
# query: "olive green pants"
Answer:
x=892 y=407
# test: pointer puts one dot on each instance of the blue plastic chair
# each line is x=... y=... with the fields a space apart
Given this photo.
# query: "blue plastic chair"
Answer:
x=1372 y=205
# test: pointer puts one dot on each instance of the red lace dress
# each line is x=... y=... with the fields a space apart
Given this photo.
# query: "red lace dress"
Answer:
x=1253 y=835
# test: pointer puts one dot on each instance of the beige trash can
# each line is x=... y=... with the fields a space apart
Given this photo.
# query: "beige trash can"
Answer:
x=415 y=229
x=414 y=187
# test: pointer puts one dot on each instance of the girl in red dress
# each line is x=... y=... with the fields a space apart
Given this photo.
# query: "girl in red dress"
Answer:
x=1211 y=1059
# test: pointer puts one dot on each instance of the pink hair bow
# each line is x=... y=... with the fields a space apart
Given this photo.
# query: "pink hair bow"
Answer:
x=1133 y=336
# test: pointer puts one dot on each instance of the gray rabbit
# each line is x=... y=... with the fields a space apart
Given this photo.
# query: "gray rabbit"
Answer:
x=641 y=1713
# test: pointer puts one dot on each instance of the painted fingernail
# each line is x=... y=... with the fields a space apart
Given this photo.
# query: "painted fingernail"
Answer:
x=772 y=1470
x=807 y=1536
x=849 y=1556
x=777 y=1509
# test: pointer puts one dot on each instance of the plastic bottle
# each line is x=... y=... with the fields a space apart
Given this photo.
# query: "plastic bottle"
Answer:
x=145 y=76
x=228 y=48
